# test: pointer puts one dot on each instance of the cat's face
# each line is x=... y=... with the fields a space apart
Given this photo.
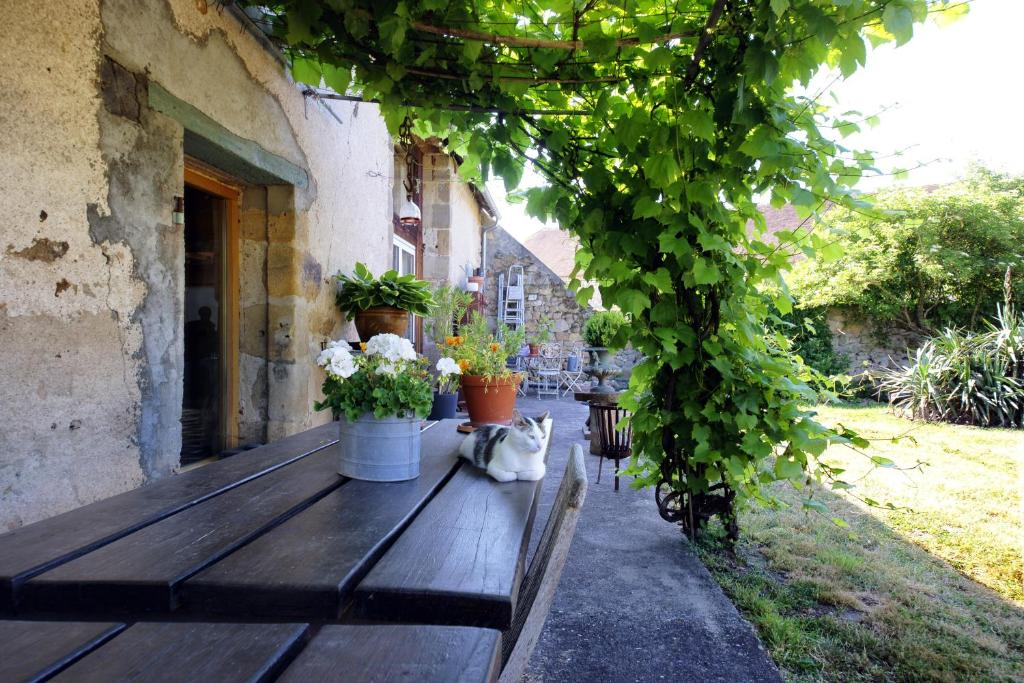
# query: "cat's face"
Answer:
x=527 y=433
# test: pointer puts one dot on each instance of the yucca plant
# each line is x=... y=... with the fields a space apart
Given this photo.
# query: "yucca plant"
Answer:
x=964 y=377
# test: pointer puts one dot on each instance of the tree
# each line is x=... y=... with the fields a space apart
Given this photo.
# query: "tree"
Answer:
x=925 y=259
x=655 y=125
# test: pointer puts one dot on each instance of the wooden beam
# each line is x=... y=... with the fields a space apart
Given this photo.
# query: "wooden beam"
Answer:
x=547 y=43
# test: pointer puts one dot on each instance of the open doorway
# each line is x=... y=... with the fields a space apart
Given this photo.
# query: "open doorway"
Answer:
x=210 y=396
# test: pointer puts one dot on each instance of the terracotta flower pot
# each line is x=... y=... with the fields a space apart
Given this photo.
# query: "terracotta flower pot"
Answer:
x=381 y=320
x=490 y=402
x=534 y=349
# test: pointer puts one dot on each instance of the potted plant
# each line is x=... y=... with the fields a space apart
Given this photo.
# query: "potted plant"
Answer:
x=378 y=398
x=446 y=389
x=488 y=384
x=545 y=330
x=382 y=305
x=599 y=333
x=450 y=306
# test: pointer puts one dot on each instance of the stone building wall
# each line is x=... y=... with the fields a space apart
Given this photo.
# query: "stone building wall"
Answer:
x=101 y=100
x=546 y=293
x=858 y=341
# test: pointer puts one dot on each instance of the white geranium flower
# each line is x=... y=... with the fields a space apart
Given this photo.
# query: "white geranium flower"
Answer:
x=447 y=366
x=334 y=348
x=387 y=369
x=342 y=366
x=391 y=347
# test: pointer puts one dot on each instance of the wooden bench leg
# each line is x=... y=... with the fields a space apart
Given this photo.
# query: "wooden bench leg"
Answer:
x=616 y=474
x=599 y=465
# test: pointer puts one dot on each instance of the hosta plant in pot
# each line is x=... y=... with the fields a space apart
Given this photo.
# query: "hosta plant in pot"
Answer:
x=446 y=389
x=488 y=384
x=382 y=304
x=378 y=398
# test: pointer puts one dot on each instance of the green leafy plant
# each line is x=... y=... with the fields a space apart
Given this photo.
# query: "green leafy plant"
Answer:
x=812 y=339
x=451 y=304
x=387 y=379
x=964 y=377
x=545 y=329
x=656 y=129
x=602 y=327
x=924 y=259
x=478 y=351
x=362 y=290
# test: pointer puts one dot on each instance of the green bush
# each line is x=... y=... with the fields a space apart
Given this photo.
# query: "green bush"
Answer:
x=362 y=290
x=926 y=260
x=600 y=329
x=812 y=340
x=965 y=377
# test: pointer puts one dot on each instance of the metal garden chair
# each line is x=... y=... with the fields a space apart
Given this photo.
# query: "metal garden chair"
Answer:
x=615 y=444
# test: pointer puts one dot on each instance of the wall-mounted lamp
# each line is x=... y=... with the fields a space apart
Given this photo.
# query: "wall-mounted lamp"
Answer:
x=178 y=214
x=410 y=216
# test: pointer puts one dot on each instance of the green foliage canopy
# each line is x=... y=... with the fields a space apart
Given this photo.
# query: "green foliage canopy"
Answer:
x=655 y=125
x=926 y=259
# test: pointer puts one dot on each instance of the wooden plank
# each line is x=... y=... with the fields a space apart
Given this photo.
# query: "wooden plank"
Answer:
x=138 y=574
x=386 y=653
x=461 y=560
x=306 y=568
x=190 y=652
x=37 y=547
x=33 y=651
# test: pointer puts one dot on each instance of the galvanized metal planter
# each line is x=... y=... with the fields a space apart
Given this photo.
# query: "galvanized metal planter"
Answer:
x=374 y=449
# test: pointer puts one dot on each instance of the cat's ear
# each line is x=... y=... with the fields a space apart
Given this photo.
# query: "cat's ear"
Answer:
x=517 y=418
x=540 y=418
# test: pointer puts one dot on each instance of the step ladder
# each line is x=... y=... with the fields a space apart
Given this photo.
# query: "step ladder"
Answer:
x=513 y=296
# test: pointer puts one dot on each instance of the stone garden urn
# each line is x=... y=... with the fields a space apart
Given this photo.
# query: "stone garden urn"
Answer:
x=601 y=368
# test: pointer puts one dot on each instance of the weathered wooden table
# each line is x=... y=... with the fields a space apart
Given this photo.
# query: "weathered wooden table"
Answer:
x=276 y=535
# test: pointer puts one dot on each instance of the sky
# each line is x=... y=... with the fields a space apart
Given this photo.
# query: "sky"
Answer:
x=950 y=96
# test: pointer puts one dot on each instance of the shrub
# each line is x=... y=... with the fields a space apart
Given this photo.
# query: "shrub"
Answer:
x=601 y=328
x=812 y=339
x=965 y=377
x=927 y=260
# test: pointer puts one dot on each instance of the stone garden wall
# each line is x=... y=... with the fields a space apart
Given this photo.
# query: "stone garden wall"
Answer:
x=858 y=340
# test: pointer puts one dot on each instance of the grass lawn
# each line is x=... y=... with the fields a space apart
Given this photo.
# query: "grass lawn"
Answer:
x=931 y=593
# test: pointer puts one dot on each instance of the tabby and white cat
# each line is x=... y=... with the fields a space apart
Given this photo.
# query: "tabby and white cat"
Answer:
x=508 y=453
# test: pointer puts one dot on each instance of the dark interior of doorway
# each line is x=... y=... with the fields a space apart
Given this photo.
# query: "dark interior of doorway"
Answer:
x=202 y=401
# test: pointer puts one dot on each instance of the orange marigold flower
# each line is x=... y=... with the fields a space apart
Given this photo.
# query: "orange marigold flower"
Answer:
x=450 y=341
x=362 y=346
x=458 y=340
x=495 y=347
x=463 y=364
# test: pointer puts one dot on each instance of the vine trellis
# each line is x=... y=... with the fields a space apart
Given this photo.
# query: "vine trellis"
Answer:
x=656 y=124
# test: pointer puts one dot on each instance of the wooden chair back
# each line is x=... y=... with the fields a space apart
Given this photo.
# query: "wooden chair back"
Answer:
x=538 y=589
x=615 y=443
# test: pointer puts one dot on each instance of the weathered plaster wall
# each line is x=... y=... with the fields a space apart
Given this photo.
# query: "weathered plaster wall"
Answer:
x=91 y=269
x=546 y=293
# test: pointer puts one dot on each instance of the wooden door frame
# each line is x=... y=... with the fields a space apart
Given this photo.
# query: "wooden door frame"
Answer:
x=208 y=180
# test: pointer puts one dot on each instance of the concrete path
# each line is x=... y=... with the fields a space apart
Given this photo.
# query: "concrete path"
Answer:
x=634 y=603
